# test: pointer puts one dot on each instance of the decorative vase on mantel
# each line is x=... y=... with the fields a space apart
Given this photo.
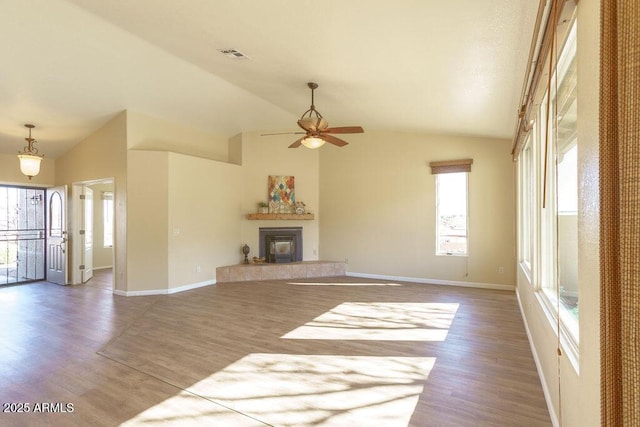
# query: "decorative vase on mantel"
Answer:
x=263 y=207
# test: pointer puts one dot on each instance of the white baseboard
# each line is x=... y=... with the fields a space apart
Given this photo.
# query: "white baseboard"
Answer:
x=543 y=382
x=433 y=281
x=164 y=291
x=349 y=273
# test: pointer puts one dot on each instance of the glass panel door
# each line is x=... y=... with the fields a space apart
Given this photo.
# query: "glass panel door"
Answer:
x=22 y=235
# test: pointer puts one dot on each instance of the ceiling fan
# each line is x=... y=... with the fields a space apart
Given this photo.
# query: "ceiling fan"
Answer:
x=316 y=128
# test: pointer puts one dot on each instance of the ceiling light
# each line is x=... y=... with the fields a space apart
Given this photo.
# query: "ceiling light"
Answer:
x=29 y=159
x=312 y=142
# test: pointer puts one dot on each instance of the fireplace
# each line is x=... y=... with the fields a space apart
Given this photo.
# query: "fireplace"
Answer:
x=281 y=244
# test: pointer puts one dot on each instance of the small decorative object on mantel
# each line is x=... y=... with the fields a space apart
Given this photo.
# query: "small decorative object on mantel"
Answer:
x=300 y=208
x=245 y=251
x=282 y=194
x=259 y=260
x=263 y=207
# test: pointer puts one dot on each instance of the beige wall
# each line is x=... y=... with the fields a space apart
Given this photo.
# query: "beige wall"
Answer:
x=160 y=259
x=264 y=156
x=235 y=149
x=102 y=257
x=10 y=171
x=377 y=198
x=204 y=220
x=147 y=219
x=149 y=133
x=184 y=219
x=580 y=390
x=103 y=155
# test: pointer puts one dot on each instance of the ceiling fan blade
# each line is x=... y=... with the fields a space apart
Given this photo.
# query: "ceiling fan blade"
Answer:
x=298 y=143
x=333 y=140
x=345 y=129
x=282 y=133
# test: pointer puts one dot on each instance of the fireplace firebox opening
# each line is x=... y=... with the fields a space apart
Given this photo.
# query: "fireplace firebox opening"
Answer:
x=280 y=244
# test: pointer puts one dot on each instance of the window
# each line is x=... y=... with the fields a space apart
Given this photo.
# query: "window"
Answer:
x=560 y=216
x=107 y=215
x=451 y=214
x=548 y=196
x=526 y=205
x=546 y=148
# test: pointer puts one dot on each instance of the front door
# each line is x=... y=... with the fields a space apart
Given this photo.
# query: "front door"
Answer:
x=56 y=218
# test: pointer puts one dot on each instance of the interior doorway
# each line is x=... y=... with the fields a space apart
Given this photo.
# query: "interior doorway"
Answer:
x=93 y=228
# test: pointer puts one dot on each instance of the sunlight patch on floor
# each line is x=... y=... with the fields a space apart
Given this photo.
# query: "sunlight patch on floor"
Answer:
x=342 y=284
x=185 y=409
x=382 y=321
x=8 y=295
x=286 y=389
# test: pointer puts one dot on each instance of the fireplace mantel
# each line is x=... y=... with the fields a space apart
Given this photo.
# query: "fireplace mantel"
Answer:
x=280 y=216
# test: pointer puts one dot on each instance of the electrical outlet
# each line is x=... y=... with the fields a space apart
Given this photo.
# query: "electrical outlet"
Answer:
x=346 y=260
x=198 y=270
x=500 y=270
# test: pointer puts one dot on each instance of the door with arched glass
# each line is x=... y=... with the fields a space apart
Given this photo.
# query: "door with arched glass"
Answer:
x=57 y=235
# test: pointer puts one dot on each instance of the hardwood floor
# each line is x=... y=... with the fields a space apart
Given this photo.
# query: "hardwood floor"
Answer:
x=102 y=278
x=337 y=351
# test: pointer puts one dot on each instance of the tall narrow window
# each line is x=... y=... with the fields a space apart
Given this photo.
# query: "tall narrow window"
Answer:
x=107 y=214
x=526 y=204
x=546 y=147
x=452 y=206
x=559 y=216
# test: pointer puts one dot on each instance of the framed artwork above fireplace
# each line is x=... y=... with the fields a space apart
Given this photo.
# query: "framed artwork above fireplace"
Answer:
x=282 y=194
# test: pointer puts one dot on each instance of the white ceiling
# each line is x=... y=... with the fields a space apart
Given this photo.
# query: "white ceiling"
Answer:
x=453 y=66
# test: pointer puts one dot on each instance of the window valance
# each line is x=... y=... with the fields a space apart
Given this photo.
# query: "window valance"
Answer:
x=451 y=166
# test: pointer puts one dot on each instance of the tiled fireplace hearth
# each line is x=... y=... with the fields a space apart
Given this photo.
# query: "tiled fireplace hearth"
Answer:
x=281 y=247
x=292 y=270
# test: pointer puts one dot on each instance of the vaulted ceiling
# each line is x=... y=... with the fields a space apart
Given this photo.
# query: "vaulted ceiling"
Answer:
x=453 y=67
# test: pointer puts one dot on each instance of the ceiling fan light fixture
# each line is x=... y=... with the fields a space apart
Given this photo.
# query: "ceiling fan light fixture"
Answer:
x=313 y=142
x=313 y=123
x=316 y=128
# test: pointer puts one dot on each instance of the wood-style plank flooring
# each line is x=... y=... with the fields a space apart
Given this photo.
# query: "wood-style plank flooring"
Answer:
x=337 y=351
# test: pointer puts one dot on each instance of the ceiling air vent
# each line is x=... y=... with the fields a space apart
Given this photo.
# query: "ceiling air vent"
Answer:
x=233 y=54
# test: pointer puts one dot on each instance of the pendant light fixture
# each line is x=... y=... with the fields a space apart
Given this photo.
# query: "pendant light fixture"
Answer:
x=29 y=159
